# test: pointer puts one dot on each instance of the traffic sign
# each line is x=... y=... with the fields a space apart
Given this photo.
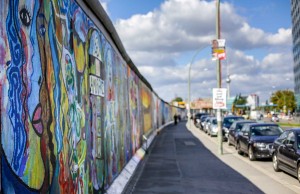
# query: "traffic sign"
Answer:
x=219 y=98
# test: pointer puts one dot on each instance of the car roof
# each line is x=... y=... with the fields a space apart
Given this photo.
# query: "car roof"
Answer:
x=262 y=124
x=244 y=121
x=233 y=116
x=202 y=113
x=294 y=129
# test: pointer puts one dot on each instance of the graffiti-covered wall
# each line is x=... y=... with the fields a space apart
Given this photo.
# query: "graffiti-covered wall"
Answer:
x=73 y=111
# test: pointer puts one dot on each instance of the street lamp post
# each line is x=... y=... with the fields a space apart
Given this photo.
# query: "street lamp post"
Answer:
x=228 y=80
x=219 y=118
x=189 y=84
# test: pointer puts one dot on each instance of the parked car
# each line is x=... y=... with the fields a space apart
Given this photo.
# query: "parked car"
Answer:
x=227 y=122
x=197 y=118
x=202 y=121
x=213 y=127
x=275 y=118
x=254 y=139
x=206 y=124
x=234 y=129
x=285 y=152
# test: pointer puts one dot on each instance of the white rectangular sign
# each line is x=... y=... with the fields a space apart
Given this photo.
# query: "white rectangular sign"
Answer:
x=96 y=86
x=219 y=98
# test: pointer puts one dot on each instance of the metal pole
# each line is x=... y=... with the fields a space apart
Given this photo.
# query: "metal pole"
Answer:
x=219 y=117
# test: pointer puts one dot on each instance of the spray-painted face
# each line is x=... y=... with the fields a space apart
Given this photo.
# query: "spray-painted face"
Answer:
x=22 y=83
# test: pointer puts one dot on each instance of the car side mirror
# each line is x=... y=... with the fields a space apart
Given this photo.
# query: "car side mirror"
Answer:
x=290 y=146
x=245 y=133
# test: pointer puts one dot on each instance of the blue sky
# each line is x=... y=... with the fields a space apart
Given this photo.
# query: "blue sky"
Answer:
x=258 y=12
x=161 y=37
x=266 y=14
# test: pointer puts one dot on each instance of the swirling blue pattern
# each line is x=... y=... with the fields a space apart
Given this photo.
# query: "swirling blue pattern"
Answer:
x=15 y=81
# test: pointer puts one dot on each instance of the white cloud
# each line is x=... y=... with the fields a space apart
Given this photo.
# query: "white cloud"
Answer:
x=277 y=63
x=157 y=42
x=104 y=5
x=284 y=37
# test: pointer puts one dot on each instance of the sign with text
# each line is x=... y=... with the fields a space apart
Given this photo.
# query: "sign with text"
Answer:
x=96 y=86
x=218 y=49
x=219 y=98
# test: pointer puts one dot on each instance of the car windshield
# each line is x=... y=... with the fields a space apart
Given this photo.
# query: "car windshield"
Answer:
x=229 y=121
x=198 y=116
x=214 y=121
x=266 y=130
x=203 y=118
x=298 y=140
x=239 y=126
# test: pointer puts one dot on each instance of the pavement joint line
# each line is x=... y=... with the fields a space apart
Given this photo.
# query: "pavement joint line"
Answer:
x=197 y=132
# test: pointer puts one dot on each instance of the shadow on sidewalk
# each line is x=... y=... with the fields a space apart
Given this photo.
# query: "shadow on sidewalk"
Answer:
x=179 y=163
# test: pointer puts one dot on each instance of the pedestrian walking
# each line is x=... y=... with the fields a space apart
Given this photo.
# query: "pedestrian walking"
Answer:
x=175 y=119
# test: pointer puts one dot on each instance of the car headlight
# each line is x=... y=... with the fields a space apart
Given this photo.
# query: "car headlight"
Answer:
x=225 y=129
x=215 y=128
x=198 y=120
x=260 y=145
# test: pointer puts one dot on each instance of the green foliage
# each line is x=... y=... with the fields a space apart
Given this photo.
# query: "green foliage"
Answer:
x=240 y=100
x=284 y=98
x=177 y=99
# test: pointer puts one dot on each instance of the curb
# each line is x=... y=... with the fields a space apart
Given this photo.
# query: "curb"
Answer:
x=119 y=184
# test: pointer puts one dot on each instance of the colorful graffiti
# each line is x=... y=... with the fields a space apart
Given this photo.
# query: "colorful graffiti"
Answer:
x=72 y=111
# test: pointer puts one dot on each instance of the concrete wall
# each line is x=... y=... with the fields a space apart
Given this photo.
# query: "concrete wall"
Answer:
x=74 y=107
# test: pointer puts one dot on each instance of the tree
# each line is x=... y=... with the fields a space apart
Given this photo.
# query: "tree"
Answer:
x=177 y=99
x=240 y=100
x=285 y=100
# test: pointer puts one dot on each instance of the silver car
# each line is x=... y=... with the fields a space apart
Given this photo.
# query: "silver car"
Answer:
x=206 y=123
x=213 y=127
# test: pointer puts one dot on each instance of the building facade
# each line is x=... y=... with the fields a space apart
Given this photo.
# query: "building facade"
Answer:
x=202 y=105
x=253 y=101
x=295 y=9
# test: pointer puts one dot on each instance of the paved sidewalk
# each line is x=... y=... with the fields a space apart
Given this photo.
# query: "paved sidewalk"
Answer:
x=178 y=162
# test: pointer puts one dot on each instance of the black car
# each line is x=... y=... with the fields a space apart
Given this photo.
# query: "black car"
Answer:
x=254 y=139
x=227 y=122
x=285 y=152
x=234 y=129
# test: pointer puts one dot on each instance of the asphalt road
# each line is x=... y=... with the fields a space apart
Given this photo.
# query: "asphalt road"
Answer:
x=182 y=160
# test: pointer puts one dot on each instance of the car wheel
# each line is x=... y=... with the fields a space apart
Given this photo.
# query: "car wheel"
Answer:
x=235 y=145
x=298 y=172
x=238 y=147
x=250 y=154
x=275 y=163
x=229 y=144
